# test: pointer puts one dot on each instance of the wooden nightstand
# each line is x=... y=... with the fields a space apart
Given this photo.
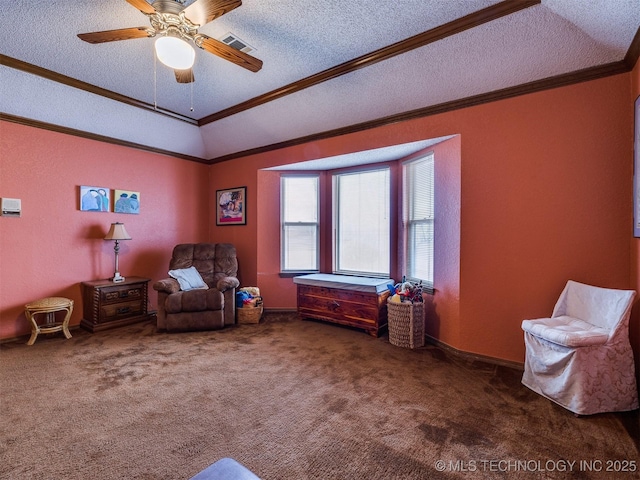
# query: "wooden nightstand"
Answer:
x=108 y=305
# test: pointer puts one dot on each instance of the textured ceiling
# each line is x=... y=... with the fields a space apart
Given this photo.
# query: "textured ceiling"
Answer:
x=295 y=40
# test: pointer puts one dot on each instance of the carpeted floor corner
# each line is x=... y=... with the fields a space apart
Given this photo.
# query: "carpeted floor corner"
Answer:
x=290 y=399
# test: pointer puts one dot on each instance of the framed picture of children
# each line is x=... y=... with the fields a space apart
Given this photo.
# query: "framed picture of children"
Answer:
x=231 y=206
x=94 y=199
x=126 y=201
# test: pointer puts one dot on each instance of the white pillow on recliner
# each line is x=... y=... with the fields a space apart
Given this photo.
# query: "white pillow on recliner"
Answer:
x=189 y=279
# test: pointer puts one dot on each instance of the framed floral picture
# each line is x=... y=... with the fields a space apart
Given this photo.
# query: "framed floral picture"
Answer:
x=636 y=170
x=231 y=206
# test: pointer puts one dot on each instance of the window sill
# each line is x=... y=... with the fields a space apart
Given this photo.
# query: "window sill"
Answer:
x=296 y=273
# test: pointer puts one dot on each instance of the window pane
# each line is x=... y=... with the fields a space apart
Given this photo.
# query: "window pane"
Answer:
x=362 y=222
x=301 y=194
x=420 y=252
x=299 y=237
x=418 y=218
x=300 y=247
x=422 y=190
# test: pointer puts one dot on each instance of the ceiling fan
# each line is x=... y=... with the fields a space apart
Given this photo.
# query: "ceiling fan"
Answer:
x=177 y=26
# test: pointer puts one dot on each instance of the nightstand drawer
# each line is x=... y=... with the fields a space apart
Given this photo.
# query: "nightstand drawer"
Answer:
x=121 y=294
x=120 y=310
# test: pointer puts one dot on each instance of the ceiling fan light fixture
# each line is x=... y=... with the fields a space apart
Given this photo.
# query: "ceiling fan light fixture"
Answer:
x=175 y=53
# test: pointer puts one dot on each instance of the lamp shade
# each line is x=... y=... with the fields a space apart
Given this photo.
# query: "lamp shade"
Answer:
x=175 y=53
x=117 y=232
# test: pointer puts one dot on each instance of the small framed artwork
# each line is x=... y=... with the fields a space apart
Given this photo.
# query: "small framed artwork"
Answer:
x=94 y=199
x=636 y=170
x=126 y=201
x=231 y=206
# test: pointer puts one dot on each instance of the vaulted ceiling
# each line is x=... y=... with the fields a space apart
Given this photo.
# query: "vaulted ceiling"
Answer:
x=328 y=66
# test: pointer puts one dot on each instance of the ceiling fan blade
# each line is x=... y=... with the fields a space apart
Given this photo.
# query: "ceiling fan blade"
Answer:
x=185 y=76
x=143 y=6
x=114 y=35
x=203 y=11
x=223 y=50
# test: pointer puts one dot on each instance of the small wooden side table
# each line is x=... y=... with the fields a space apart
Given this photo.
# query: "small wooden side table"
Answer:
x=48 y=306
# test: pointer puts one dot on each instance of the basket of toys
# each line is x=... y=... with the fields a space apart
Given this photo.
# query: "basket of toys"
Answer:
x=405 y=315
x=249 y=306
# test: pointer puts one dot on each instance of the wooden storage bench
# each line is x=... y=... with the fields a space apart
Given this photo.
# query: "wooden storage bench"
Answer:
x=359 y=302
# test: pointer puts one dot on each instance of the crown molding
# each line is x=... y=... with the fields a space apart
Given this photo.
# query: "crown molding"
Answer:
x=571 y=78
x=87 y=87
x=92 y=136
x=454 y=27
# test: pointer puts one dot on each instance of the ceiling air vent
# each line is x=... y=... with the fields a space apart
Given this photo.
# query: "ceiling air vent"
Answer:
x=233 y=41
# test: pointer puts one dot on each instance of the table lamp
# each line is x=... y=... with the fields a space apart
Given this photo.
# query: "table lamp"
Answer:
x=117 y=233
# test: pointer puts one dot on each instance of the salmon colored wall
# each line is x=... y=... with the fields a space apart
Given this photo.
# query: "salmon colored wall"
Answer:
x=278 y=293
x=54 y=246
x=245 y=237
x=545 y=182
x=634 y=326
x=545 y=189
x=442 y=310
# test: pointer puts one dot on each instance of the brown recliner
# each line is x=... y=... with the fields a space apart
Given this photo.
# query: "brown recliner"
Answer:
x=211 y=309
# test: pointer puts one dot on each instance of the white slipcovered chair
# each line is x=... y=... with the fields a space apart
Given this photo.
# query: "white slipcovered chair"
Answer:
x=581 y=357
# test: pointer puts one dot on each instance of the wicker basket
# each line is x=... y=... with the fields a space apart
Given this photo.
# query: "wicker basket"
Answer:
x=406 y=324
x=249 y=314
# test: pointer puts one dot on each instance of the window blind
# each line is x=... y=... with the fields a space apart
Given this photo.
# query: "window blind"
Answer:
x=418 y=219
x=361 y=222
x=299 y=219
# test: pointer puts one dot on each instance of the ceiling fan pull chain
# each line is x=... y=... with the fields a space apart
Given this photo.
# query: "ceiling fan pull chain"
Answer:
x=191 y=83
x=155 y=81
